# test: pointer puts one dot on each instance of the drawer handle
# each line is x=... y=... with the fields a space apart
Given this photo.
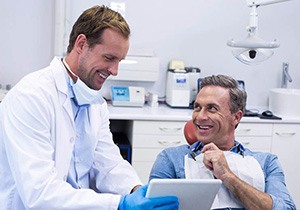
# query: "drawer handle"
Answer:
x=169 y=143
x=285 y=134
x=246 y=130
x=169 y=130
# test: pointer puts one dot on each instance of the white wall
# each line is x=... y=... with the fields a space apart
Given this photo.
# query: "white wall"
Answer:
x=26 y=36
x=193 y=31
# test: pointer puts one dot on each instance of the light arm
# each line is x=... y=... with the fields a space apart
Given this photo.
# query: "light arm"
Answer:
x=263 y=2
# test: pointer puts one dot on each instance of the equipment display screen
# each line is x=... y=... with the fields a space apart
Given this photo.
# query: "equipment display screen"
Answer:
x=120 y=93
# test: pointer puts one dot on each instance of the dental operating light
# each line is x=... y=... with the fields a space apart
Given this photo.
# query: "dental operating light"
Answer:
x=254 y=50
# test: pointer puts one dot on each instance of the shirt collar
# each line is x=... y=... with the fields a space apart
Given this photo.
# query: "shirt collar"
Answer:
x=198 y=146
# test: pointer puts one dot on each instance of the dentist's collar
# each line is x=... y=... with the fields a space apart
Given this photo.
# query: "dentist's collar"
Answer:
x=69 y=69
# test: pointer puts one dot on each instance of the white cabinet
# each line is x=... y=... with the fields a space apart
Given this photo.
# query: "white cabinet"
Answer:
x=149 y=138
x=286 y=145
x=255 y=136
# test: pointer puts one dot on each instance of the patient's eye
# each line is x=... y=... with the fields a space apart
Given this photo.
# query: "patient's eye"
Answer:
x=197 y=107
x=212 y=108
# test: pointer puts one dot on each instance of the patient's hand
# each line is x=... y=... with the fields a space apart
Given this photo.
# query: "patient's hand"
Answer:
x=214 y=159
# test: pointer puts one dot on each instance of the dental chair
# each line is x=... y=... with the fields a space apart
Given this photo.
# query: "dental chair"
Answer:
x=190 y=132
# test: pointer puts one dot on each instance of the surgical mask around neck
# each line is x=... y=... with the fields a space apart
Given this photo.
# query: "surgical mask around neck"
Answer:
x=83 y=94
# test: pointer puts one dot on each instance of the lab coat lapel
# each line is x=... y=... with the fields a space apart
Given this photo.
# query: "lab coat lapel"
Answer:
x=94 y=123
x=65 y=130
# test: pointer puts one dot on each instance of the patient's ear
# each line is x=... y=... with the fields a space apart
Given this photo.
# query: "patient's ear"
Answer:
x=237 y=117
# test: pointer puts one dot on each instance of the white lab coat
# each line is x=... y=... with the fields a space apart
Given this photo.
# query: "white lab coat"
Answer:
x=36 y=141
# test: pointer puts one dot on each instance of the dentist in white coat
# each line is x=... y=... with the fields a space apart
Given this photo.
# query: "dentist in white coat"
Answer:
x=56 y=149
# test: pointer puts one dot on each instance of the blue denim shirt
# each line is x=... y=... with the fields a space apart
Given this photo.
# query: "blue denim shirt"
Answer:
x=170 y=164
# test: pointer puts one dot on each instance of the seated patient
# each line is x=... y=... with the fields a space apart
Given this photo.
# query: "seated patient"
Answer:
x=251 y=180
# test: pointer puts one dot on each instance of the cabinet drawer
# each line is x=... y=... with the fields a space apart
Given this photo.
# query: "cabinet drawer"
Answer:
x=158 y=127
x=254 y=129
x=157 y=141
x=261 y=144
x=146 y=154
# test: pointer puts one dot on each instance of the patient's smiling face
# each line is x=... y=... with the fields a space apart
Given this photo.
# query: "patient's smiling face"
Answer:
x=212 y=117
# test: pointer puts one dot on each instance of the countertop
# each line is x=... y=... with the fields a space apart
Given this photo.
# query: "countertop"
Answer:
x=164 y=112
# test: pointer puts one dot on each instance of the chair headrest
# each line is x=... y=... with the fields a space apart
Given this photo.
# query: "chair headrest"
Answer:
x=190 y=132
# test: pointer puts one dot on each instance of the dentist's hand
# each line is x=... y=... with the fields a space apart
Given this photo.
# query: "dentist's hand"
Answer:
x=138 y=201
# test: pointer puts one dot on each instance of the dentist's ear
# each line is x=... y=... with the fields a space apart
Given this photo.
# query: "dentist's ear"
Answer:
x=80 y=43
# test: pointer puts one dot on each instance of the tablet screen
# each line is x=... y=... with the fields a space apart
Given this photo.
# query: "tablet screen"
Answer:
x=193 y=194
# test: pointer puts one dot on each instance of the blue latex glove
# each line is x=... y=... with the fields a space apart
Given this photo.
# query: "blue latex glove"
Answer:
x=137 y=201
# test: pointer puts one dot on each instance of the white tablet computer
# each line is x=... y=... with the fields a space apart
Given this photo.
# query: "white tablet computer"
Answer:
x=193 y=194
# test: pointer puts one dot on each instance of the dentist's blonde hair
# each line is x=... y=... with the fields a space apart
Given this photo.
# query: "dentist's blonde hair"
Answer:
x=93 y=21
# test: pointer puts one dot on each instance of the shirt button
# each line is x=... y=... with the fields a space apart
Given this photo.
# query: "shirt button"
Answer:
x=72 y=139
x=65 y=177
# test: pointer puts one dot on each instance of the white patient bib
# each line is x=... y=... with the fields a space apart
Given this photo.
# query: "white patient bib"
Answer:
x=246 y=168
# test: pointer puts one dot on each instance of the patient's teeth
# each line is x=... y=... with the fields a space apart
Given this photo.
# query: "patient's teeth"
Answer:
x=204 y=127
